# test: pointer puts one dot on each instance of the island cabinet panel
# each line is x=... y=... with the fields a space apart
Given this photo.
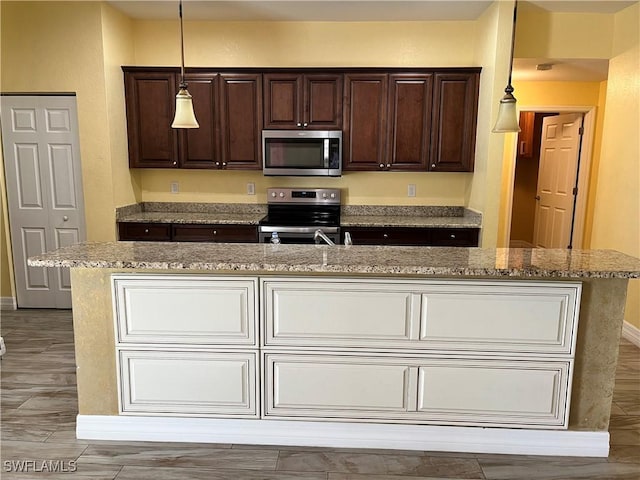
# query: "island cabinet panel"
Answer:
x=365 y=121
x=494 y=391
x=455 y=108
x=150 y=99
x=296 y=100
x=188 y=383
x=185 y=310
x=241 y=120
x=409 y=121
x=320 y=313
x=493 y=317
x=334 y=386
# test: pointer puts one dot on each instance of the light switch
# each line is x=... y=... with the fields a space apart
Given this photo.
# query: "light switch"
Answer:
x=175 y=187
x=251 y=188
x=411 y=190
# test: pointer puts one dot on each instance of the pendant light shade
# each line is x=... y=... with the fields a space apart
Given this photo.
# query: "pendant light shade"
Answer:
x=507 y=115
x=185 y=116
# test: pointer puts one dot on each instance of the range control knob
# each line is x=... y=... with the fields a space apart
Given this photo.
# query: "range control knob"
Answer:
x=273 y=194
x=333 y=195
x=281 y=194
x=324 y=195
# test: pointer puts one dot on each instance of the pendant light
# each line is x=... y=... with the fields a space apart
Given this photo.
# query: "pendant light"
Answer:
x=507 y=115
x=185 y=117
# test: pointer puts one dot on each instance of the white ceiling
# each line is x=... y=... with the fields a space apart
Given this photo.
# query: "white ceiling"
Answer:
x=379 y=10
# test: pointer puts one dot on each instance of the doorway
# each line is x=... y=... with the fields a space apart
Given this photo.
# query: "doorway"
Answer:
x=524 y=196
x=44 y=191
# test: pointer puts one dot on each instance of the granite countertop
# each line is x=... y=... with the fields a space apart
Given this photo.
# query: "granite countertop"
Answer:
x=194 y=217
x=408 y=221
x=372 y=260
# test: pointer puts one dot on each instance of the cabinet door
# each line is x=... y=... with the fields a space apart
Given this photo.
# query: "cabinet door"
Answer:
x=282 y=100
x=185 y=309
x=494 y=392
x=308 y=313
x=241 y=120
x=214 y=233
x=409 y=121
x=199 y=146
x=365 y=121
x=453 y=135
x=188 y=383
x=150 y=99
x=454 y=237
x=334 y=386
x=322 y=101
x=156 y=232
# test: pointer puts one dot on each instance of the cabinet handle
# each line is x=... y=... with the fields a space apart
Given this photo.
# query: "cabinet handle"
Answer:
x=305 y=124
x=215 y=232
x=382 y=165
x=385 y=235
x=217 y=164
x=433 y=165
x=388 y=165
x=175 y=163
x=146 y=230
x=224 y=164
x=453 y=235
x=298 y=124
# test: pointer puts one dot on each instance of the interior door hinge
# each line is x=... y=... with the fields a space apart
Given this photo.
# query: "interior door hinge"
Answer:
x=575 y=190
x=581 y=131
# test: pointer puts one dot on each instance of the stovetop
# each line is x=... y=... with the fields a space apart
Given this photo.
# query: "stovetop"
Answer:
x=297 y=207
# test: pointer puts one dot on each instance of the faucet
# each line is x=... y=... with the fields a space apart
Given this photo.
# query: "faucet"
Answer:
x=347 y=239
x=319 y=234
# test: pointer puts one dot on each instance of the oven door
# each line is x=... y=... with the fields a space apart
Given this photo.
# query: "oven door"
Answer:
x=297 y=235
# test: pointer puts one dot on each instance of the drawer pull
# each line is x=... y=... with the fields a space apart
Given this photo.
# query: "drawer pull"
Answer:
x=453 y=235
x=146 y=230
x=382 y=165
x=385 y=235
x=215 y=232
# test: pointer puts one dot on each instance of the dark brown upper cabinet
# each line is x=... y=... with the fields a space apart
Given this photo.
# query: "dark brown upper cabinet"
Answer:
x=241 y=120
x=294 y=100
x=150 y=99
x=365 y=121
x=409 y=125
x=453 y=131
x=199 y=147
x=228 y=107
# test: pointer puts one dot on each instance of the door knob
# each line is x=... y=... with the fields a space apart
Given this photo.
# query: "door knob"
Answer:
x=537 y=197
x=65 y=218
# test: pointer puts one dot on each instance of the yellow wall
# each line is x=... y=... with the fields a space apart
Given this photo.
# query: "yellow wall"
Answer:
x=616 y=218
x=6 y=272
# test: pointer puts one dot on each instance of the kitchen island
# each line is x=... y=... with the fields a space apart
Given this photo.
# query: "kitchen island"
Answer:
x=453 y=349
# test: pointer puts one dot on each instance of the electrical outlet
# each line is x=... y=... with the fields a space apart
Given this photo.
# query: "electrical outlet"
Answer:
x=411 y=190
x=251 y=188
x=175 y=187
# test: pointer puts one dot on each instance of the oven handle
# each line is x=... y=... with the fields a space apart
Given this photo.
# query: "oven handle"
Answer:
x=268 y=229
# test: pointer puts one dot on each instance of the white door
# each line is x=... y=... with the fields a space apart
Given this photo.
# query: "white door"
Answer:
x=559 y=157
x=44 y=191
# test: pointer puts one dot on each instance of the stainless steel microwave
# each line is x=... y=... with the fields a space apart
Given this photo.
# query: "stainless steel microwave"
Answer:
x=302 y=152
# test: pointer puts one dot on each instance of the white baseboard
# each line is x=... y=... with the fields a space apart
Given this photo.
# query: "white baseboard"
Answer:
x=344 y=435
x=8 y=303
x=631 y=333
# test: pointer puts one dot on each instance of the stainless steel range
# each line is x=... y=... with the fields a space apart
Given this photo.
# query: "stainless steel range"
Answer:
x=294 y=215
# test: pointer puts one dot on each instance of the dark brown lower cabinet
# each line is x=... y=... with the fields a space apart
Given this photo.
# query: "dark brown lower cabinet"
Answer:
x=214 y=233
x=178 y=232
x=413 y=236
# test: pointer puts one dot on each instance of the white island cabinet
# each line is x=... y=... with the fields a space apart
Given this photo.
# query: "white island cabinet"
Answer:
x=450 y=352
x=450 y=349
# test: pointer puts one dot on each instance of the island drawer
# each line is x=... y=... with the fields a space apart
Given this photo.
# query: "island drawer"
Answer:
x=426 y=389
x=474 y=316
x=188 y=383
x=184 y=309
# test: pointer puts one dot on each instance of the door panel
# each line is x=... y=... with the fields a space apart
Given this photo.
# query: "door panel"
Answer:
x=44 y=191
x=559 y=157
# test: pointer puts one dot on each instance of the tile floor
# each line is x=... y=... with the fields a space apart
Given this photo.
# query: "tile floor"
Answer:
x=38 y=418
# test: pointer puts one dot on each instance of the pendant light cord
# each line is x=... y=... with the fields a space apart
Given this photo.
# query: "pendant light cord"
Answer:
x=183 y=84
x=509 y=88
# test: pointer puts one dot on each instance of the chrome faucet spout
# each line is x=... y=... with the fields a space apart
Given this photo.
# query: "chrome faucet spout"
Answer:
x=319 y=234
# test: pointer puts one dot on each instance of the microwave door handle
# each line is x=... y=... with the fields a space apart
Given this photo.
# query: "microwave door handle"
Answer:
x=326 y=152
